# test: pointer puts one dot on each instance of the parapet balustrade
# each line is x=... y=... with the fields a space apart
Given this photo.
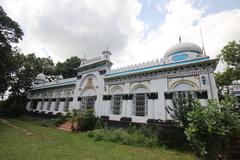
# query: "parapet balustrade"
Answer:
x=136 y=66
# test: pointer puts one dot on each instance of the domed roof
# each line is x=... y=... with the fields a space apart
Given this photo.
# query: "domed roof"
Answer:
x=106 y=51
x=235 y=82
x=41 y=77
x=183 y=47
x=60 y=77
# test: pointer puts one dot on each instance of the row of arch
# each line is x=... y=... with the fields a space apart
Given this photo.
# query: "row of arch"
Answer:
x=140 y=88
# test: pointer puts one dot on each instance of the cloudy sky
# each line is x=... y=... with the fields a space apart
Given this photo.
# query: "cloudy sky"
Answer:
x=135 y=31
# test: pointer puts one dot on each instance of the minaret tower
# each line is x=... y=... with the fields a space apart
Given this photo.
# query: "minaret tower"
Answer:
x=106 y=54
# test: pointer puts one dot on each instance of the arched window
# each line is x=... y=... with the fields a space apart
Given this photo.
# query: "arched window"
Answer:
x=183 y=87
x=116 y=101
x=140 y=101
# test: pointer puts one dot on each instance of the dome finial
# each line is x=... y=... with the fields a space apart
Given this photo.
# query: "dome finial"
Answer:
x=180 y=39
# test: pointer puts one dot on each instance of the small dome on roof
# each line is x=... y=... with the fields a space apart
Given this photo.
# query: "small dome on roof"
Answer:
x=183 y=47
x=106 y=52
x=235 y=82
x=60 y=77
x=41 y=77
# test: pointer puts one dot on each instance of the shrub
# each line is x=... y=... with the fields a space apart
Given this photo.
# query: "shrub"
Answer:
x=172 y=136
x=183 y=102
x=99 y=124
x=87 y=121
x=61 y=119
x=133 y=136
x=210 y=126
x=14 y=106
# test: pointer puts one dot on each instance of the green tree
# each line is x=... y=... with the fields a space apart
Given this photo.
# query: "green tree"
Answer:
x=26 y=67
x=67 y=68
x=209 y=126
x=230 y=54
x=10 y=32
x=183 y=102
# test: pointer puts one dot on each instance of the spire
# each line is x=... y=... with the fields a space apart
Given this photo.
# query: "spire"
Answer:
x=203 y=48
x=180 y=39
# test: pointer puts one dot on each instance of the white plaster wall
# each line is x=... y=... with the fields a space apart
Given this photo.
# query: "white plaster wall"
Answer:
x=99 y=87
x=28 y=105
x=159 y=86
x=38 y=105
x=210 y=86
x=214 y=86
x=61 y=106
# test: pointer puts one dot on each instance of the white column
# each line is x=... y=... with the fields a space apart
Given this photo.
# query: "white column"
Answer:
x=28 y=105
x=150 y=108
x=103 y=106
x=129 y=108
x=124 y=108
x=108 y=107
x=74 y=104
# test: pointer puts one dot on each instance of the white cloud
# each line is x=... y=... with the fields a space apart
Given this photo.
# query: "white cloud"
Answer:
x=68 y=27
x=185 y=20
x=71 y=27
x=159 y=8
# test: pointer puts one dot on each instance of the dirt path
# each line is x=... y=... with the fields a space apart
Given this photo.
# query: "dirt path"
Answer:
x=16 y=127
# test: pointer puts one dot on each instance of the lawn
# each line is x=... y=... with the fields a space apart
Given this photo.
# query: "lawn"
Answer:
x=36 y=142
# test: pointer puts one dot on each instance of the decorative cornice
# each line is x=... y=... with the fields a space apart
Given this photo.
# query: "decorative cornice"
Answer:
x=183 y=71
x=134 y=69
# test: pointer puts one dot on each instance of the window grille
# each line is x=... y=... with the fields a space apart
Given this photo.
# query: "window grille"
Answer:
x=116 y=104
x=34 y=104
x=87 y=102
x=49 y=104
x=66 y=104
x=42 y=104
x=140 y=104
x=58 y=96
x=57 y=104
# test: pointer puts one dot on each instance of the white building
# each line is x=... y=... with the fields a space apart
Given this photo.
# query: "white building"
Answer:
x=136 y=93
x=235 y=91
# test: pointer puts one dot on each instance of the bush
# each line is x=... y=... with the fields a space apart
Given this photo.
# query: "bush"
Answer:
x=172 y=136
x=210 y=126
x=132 y=136
x=14 y=106
x=61 y=119
x=87 y=121
x=99 y=124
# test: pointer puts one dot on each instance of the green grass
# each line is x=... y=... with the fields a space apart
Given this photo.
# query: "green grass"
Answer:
x=49 y=144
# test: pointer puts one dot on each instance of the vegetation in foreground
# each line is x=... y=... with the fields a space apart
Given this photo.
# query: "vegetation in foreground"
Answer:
x=49 y=143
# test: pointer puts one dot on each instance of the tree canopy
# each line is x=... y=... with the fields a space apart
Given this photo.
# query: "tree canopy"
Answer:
x=18 y=70
x=67 y=68
x=230 y=55
x=10 y=32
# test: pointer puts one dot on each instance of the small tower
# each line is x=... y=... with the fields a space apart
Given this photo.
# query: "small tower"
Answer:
x=106 y=54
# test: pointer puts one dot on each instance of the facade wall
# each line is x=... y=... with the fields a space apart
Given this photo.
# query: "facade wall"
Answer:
x=141 y=99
